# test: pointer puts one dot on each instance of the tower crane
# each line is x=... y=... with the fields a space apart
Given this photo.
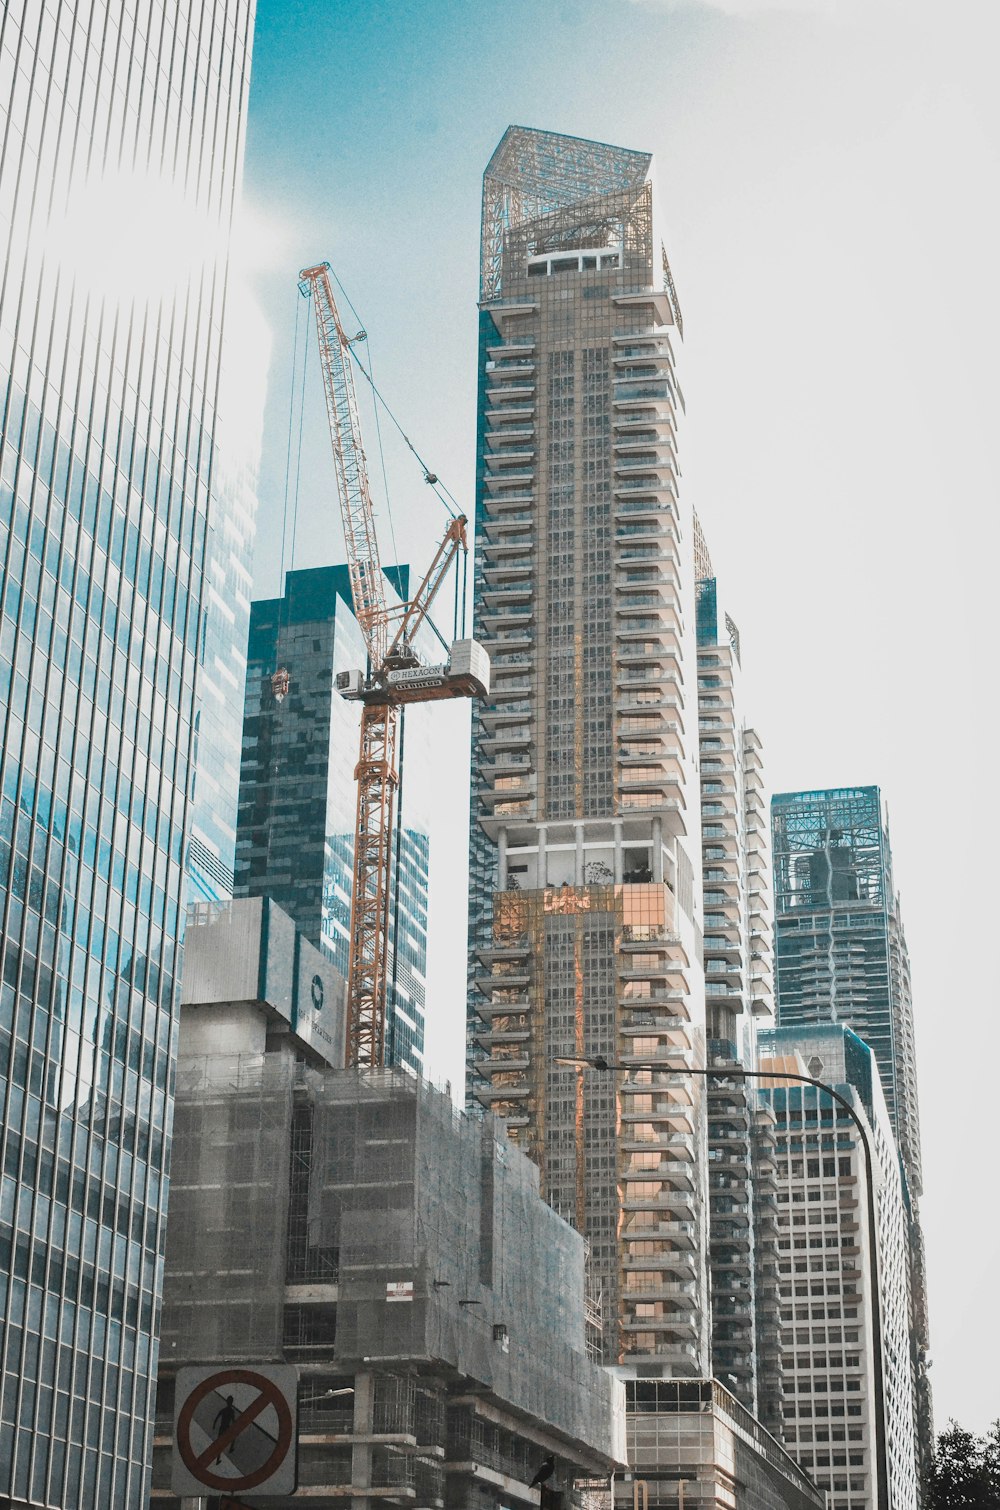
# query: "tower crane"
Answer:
x=395 y=676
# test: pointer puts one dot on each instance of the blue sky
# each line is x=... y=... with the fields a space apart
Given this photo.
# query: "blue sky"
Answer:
x=829 y=170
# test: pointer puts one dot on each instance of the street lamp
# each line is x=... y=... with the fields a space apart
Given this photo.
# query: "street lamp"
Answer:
x=731 y=1072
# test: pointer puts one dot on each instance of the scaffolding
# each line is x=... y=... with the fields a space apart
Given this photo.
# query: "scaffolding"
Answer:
x=223 y=1293
x=353 y=1223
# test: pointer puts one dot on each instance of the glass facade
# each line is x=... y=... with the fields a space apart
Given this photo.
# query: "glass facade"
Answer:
x=719 y=1455
x=840 y=950
x=222 y=657
x=841 y=957
x=297 y=805
x=835 y=1415
x=121 y=158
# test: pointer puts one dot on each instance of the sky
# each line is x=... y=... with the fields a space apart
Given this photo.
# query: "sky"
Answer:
x=828 y=171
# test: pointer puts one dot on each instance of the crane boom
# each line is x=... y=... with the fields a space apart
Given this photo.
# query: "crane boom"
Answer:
x=417 y=610
x=394 y=677
x=363 y=564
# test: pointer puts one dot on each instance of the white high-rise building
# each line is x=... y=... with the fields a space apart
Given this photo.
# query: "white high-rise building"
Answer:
x=746 y=1350
x=849 y=1405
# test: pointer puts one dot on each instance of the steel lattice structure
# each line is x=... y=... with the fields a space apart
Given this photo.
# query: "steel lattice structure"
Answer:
x=376 y=773
x=553 y=188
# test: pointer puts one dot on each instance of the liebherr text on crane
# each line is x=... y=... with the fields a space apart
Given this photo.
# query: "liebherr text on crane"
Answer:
x=394 y=677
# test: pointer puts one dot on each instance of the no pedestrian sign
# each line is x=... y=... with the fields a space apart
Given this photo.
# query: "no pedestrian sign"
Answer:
x=234 y=1430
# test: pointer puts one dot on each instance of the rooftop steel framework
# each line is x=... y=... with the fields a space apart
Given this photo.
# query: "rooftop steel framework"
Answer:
x=534 y=175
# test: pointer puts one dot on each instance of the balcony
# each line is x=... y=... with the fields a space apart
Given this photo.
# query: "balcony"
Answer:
x=512 y=981
x=490 y=1095
x=491 y=1009
x=498 y=609
x=637 y=457
x=514 y=710
x=678 y=1142
x=738 y=1216
x=496 y=797
x=656 y=1289
x=497 y=1066
x=676 y=1112
x=499 y=501
x=507 y=763
x=514 y=380
x=505 y=739
x=674 y=1323
x=644 y=1022
x=633 y=597
x=677 y=1171
x=492 y=1038
x=501 y=349
x=722 y=977
x=503 y=548
x=664 y=672
x=670 y=1262
x=514 y=478
x=510 y=435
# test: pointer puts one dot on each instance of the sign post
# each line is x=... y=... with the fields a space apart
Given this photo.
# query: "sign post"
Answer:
x=235 y=1430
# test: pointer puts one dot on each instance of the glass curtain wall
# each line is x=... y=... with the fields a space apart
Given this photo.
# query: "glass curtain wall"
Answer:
x=120 y=162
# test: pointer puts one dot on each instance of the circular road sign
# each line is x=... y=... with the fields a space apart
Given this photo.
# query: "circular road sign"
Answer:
x=250 y=1436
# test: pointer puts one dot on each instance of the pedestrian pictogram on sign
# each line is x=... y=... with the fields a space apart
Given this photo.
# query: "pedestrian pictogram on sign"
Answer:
x=235 y=1430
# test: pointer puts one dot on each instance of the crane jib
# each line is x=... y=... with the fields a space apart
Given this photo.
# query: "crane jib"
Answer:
x=395 y=677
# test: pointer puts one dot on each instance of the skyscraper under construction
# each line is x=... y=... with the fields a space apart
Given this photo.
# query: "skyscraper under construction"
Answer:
x=585 y=832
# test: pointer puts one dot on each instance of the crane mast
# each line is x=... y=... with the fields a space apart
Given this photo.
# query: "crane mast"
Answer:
x=394 y=677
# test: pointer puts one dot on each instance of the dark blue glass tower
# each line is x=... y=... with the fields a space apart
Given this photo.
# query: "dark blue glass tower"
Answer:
x=841 y=957
x=840 y=951
x=295 y=832
x=120 y=165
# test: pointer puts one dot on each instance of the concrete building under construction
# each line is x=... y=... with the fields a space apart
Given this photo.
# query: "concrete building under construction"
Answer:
x=354 y=1224
x=584 y=908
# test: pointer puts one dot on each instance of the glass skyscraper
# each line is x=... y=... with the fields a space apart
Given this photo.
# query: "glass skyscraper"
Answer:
x=297 y=807
x=847 y=1425
x=222 y=658
x=841 y=957
x=120 y=164
x=840 y=949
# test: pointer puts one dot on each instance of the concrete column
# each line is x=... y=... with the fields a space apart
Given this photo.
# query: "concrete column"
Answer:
x=361 y=1452
x=543 y=878
x=658 y=849
x=619 y=865
x=502 y=860
x=578 y=858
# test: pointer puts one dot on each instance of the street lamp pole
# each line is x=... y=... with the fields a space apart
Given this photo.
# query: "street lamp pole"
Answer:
x=733 y=1072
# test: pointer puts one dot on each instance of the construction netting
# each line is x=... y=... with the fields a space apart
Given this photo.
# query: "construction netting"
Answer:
x=447 y=1252
x=224 y=1281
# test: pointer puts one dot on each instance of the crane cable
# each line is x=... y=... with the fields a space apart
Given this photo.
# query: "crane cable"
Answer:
x=288 y=452
x=385 y=475
x=443 y=493
x=298 y=456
